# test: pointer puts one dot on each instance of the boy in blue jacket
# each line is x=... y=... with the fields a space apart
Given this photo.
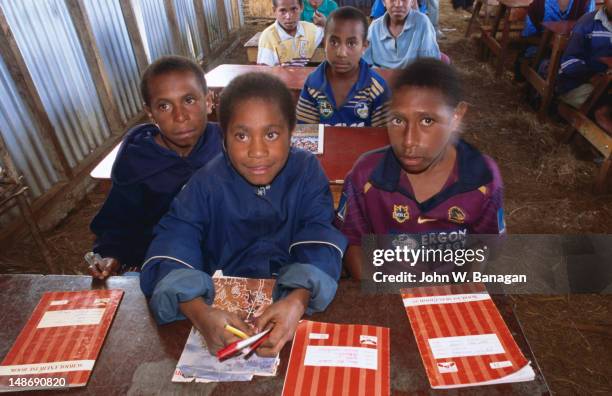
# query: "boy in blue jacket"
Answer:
x=261 y=209
x=154 y=162
x=591 y=40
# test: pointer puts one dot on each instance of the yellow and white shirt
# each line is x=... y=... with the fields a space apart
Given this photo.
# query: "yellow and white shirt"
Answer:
x=276 y=46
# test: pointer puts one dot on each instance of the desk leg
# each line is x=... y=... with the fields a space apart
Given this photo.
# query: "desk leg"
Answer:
x=551 y=74
x=505 y=39
x=475 y=13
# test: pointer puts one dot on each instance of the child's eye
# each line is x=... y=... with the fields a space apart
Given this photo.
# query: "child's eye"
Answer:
x=163 y=106
x=427 y=121
x=396 y=121
x=190 y=100
x=240 y=136
x=272 y=136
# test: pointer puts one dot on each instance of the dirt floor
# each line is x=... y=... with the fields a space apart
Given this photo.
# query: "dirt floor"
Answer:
x=548 y=186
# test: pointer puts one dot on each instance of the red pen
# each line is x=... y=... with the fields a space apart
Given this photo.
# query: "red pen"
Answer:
x=238 y=345
x=248 y=351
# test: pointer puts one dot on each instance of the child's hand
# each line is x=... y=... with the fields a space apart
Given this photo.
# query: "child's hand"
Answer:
x=211 y=322
x=283 y=317
x=102 y=268
x=319 y=19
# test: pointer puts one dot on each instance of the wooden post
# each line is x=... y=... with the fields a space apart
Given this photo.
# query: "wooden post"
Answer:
x=78 y=13
x=223 y=18
x=135 y=39
x=198 y=5
x=28 y=93
x=174 y=28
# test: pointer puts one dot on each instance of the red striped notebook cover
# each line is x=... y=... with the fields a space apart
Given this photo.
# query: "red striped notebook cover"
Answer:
x=338 y=359
x=462 y=337
x=59 y=344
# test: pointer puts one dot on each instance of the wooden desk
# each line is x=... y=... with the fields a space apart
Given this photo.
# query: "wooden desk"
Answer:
x=342 y=147
x=139 y=357
x=500 y=48
x=581 y=122
x=556 y=36
x=252 y=48
x=293 y=77
x=488 y=4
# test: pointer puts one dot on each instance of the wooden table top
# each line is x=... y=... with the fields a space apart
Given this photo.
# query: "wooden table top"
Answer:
x=139 y=357
x=342 y=147
x=293 y=77
x=516 y=3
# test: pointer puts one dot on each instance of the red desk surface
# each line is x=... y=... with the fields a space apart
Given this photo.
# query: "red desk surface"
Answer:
x=294 y=77
x=139 y=357
x=343 y=145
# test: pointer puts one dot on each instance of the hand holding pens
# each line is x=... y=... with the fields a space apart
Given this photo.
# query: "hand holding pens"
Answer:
x=252 y=342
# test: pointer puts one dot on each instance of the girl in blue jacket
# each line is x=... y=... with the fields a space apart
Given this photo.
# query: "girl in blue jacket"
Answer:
x=260 y=209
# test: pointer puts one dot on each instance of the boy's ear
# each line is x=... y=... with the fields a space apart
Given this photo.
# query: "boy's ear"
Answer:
x=210 y=102
x=460 y=111
x=147 y=110
x=366 y=44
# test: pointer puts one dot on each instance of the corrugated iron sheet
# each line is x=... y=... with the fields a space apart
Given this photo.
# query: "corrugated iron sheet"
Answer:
x=115 y=48
x=154 y=28
x=188 y=26
x=233 y=8
x=213 y=23
x=49 y=44
x=22 y=138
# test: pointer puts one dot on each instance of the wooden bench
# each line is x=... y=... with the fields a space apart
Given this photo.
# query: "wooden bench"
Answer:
x=581 y=122
x=488 y=38
x=555 y=36
x=252 y=47
x=488 y=4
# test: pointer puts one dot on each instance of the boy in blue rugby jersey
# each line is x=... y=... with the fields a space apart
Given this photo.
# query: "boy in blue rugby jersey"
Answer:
x=258 y=210
x=343 y=90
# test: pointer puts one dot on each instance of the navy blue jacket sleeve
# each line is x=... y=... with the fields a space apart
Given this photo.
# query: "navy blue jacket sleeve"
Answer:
x=317 y=246
x=120 y=227
x=174 y=271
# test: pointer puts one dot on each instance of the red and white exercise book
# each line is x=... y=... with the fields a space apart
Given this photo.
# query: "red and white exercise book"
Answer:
x=338 y=359
x=59 y=344
x=462 y=338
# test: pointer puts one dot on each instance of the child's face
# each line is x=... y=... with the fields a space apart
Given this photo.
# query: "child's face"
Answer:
x=287 y=13
x=315 y=3
x=179 y=107
x=257 y=140
x=344 y=45
x=421 y=126
x=398 y=9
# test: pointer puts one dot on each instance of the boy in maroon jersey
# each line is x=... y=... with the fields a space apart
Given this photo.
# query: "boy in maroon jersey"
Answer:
x=428 y=181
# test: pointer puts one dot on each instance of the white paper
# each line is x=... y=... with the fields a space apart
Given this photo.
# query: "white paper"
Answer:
x=318 y=336
x=473 y=345
x=445 y=299
x=71 y=317
x=337 y=356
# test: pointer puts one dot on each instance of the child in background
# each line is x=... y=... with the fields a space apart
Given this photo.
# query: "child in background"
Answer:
x=288 y=41
x=553 y=10
x=343 y=90
x=317 y=11
x=400 y=36
x=154 y=162
x=428 y=181
x=590 y=41
x=261 y=209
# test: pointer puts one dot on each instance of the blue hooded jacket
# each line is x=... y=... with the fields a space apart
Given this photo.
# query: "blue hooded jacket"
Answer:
x=221 y=222
x=146 y=177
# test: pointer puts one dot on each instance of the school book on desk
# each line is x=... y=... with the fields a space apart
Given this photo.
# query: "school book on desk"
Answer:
x=338 y=359
x=245 y=297
x=309 y=137
x=462 y=337
x=60 y=343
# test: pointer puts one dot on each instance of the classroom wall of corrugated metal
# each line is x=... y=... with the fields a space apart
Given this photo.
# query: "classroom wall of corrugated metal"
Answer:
x=46 y=48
